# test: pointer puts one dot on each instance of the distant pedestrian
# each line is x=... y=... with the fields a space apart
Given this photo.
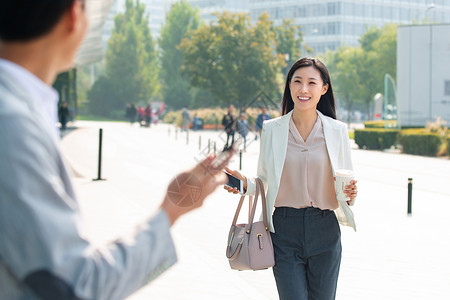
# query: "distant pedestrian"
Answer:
x=229 y=124
x=63 y=115
x=263 y=116
x=140 y=115
x=186 y=117
x=148 y=115
x=195 y=122
x=242 y=128
x=131 y=113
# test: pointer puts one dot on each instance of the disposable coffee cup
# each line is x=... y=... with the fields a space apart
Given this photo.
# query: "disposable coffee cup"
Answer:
x=343 y=178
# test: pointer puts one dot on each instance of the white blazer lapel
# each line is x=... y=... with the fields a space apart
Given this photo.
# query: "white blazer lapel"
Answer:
x=280 y=133
x=332 y=141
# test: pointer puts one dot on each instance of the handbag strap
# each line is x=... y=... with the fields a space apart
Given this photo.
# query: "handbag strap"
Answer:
x=252 y=208
x=263 y=202
x=260 y=189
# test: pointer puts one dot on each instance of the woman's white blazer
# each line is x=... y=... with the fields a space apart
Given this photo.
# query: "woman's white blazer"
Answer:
x=274 y=140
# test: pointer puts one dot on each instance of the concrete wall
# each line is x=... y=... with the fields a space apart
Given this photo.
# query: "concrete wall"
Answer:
x=423 y=73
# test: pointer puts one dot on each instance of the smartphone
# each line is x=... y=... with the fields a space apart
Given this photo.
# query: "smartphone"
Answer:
x=235 y=182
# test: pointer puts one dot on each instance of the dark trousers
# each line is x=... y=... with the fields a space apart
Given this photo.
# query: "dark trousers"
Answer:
x=228 y=137
x=307 y=246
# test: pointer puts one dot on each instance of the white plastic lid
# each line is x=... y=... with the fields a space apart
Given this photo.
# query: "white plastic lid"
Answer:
x=345 y=173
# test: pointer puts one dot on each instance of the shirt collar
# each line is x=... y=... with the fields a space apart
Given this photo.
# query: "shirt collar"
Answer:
x=44 y=97
x=296 y=135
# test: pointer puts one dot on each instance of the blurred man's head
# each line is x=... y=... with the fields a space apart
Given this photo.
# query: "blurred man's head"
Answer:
x=55 y=26
x=230 y=108
x=263 y=109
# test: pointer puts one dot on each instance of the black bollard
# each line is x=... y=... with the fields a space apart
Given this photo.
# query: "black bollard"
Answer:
x=176 y=133
x=100 y=139
x=209 y=146
x=240 y=160
x=187 y=137
x=199 y=142
x=410 y=196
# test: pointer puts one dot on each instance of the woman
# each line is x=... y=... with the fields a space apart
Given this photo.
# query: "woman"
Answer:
x=300 y=152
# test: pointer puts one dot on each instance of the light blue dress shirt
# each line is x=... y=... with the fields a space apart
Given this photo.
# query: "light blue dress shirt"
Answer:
x=40 y=219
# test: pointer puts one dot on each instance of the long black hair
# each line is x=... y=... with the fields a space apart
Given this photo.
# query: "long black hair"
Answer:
x=326 y=103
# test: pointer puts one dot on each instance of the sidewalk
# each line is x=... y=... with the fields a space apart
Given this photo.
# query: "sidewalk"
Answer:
x=392 y=256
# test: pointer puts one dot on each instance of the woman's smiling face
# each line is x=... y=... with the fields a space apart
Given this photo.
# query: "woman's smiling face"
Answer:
x=306 y=88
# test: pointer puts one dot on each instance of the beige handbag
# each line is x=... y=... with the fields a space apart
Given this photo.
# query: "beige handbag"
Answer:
x=250 y=245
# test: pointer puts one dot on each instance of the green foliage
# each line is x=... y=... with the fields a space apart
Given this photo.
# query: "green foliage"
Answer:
x=64 y=84
x=380 y=48
x=351 y=135
x=288 y=39
x=358 y=72
x=379 y=124
x=181 y=20
x=375 y=139
x=420 y=142
x=213 y=116
x=345 y=70
x=102 y=97
x=233 y=59
x=97 y=118
x=447 y=144
x=131 y=62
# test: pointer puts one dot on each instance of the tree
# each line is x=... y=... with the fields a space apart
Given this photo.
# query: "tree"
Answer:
x=344 y=65
x=288 y=39
x=380 y=57
x=232 y=58
x=131 y=62
x=358 y=72
x=180 y=21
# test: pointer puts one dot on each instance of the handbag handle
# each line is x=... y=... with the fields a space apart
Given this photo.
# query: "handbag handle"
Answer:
x=259 y=190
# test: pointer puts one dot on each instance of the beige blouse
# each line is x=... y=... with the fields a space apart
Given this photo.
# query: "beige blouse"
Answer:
x=307 y=178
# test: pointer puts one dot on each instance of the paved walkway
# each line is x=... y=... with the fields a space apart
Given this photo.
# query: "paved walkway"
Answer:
x=392 y=256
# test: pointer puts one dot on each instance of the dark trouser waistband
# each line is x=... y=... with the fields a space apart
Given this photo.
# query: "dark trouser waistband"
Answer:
x=305 y=211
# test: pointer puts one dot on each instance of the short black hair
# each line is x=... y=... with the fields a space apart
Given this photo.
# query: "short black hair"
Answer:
x=25 y=20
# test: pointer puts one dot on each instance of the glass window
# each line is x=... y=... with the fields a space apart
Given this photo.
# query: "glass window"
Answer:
x=396 y=13
x=348 y=28
x=359 y=9
x=387 y=13
x=378 y=11
x=333 y=28
x=331 y=9
x=404 y=13
x=301 y=12
x=447 y=88
x=348 y=9
x=368 y=11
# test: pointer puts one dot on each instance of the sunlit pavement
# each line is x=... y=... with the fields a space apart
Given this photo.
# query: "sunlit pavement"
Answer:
x=392 y=256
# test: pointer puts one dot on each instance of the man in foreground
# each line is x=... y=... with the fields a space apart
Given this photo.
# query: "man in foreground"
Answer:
x=42 y=252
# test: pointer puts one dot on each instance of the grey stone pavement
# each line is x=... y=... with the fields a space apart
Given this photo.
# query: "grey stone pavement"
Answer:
x=391 y=256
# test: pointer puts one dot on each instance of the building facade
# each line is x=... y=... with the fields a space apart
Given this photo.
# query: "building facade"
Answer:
x=208 y=8
x=423 y=77
x=156 y=9
x=328 y=24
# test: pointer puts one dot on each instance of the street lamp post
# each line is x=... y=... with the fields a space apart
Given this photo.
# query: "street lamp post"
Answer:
x=430 y=7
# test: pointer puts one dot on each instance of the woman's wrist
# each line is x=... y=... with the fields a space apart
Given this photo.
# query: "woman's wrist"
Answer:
x=244 y=181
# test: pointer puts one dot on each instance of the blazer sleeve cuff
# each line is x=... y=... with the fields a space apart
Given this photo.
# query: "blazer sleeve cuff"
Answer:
x=251 y=186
